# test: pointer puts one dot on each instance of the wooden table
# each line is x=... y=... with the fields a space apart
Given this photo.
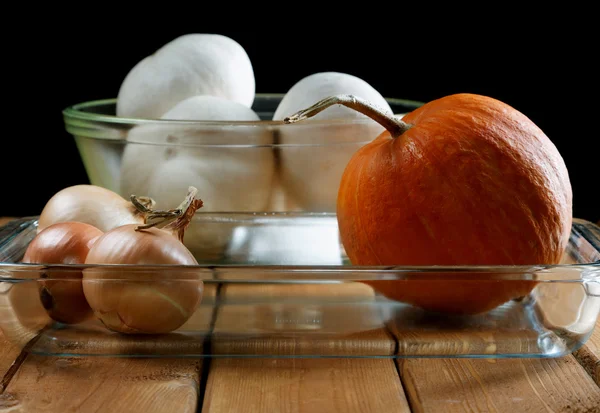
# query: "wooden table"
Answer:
x=32 y=383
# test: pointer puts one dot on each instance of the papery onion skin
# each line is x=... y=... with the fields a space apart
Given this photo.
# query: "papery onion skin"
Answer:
x=90 y=204
x=142 y=300
x=61 y=293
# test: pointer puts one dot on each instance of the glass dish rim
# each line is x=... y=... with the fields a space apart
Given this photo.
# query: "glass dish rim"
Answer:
x=320 y=272
x=75 y=112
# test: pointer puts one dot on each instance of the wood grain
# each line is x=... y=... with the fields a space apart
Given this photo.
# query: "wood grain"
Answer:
x=506 y=385
x=58 y=384
x=53 y=384
x=8 y=354
x=304 y=385
x=8 y=350
x=504 y=331
x=300 y=319
x=589 y=355
x=22 y=318
x=92 y=338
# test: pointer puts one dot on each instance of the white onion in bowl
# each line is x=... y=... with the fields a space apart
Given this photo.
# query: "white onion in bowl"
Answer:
x=313 y=155
x=232 y=167
x=189 y=65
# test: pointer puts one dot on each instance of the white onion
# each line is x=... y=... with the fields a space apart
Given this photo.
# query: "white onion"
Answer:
x=189 y=65
x=312 y=166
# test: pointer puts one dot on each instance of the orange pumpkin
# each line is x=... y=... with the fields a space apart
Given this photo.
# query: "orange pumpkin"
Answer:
x=463 y=180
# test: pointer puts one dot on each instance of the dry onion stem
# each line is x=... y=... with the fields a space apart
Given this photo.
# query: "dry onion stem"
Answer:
x=176 y=220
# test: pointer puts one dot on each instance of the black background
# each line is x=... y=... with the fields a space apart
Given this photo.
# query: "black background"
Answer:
x=546 y=75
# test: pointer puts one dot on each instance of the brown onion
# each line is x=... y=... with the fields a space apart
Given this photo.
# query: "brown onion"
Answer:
x=61 y=292
x=138 y=297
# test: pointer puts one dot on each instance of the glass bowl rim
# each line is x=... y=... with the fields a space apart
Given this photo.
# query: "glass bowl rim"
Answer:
x=77 y=112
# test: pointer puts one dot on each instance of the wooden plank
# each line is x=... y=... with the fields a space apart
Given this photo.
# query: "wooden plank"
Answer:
x=555 y=319
x=303 y=385
x=22 y=318
x=13 y=318
x=9 y=351
x=58 y=384
x=589 y=355
x=92 y=338
x=8 y=355
x=23 y=315
x=503 y=331
x=92 y=384
x=300 y=319
x=504 y=385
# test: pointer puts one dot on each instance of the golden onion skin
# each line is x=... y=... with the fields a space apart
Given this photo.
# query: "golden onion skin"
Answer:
x=136 y=299
x=61 y=292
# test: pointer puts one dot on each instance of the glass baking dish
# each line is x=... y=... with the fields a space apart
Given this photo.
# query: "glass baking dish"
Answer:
x=284 y=288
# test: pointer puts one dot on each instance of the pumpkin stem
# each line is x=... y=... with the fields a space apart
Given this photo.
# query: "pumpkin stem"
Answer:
x=395 y=126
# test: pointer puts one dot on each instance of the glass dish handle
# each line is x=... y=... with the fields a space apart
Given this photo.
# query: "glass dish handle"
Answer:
x=586 y=235
x=15 y=235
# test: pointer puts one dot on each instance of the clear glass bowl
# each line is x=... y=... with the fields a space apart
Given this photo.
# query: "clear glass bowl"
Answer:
x=284 y=288
x=254 y=166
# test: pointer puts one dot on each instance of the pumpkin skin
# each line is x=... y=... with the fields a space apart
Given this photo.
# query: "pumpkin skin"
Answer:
x=472 y=182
